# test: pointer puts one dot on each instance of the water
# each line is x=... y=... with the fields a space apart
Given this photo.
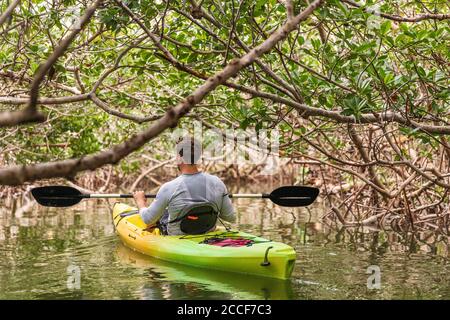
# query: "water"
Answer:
x=43 y=250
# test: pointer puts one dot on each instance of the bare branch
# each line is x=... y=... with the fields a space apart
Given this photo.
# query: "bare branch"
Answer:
x=21 y=77
x=116 y=113
x=308 y=111
x=5 y=15
x=44 y=100
x=365 y=157
x=290 y=9
x=418 y=18
x=12 y=118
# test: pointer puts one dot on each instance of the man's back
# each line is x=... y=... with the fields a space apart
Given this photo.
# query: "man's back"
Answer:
x=185 y=191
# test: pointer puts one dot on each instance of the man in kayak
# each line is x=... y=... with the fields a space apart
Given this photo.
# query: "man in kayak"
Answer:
x=192 y=188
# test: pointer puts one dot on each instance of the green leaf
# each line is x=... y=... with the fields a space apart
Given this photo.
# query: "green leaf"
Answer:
x=385 y=27
x=354 y=106
x=365 y=47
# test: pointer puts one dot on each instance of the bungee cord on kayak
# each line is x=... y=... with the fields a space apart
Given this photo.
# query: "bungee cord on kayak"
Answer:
x=227 y=241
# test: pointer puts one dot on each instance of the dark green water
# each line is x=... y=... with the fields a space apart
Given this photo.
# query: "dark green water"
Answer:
x=42 y=251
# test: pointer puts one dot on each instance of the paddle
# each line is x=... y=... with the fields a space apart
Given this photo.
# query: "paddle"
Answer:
x=63 y=196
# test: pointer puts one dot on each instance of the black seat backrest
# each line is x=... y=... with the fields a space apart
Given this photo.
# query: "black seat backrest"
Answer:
x=197 y=220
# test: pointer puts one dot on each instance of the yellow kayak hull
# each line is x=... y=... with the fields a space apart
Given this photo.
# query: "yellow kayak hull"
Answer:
x=263 y=258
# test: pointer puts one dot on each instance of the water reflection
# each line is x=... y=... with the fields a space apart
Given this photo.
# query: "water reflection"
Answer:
x=183 y=280
x=37 y=245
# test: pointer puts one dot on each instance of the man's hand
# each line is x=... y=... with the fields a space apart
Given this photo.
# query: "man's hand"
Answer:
x=139 y=197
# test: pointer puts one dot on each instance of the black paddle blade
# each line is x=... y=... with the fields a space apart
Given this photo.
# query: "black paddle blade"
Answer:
x=294 y=196
x=57 y=196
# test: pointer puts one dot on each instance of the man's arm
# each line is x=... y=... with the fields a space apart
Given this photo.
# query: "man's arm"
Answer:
x=226 y=207
x=153 y=213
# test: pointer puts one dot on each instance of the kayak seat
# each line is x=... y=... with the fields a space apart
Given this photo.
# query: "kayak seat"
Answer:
x=197 y=220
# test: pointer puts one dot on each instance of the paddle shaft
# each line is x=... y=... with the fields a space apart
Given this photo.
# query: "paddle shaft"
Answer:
x=123 y=196
x=235 y=196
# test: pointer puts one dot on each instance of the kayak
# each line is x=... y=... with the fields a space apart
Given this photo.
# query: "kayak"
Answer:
x=260 y=257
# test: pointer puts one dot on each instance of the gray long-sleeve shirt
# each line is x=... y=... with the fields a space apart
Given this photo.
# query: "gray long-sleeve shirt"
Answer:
x=186 y=190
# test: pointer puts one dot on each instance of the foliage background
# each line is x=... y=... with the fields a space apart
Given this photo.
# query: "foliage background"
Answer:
x=362 y=100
